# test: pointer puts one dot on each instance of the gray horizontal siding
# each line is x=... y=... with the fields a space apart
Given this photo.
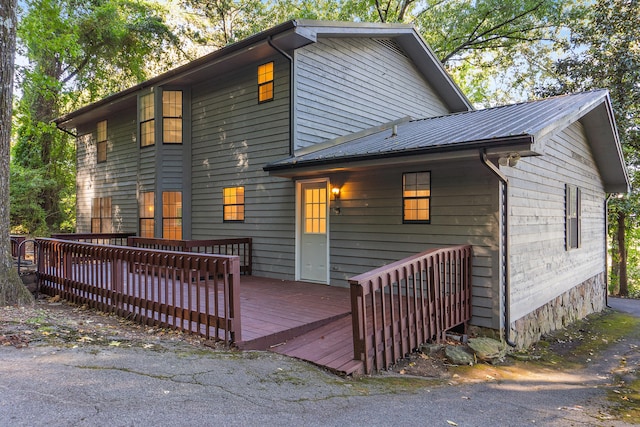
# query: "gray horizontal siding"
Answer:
x=369 y=232
x=346 y=85
x=116 y=178
x=541 y=267
x=233 y=137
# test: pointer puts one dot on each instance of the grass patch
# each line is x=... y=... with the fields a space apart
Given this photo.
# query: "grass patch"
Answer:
x=39 y=319
x=579 y=342
x=625 y=401
x=394 y=383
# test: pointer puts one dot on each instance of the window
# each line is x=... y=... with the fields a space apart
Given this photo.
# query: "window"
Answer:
x=147 y=121
x=146 y=212
x=572 y=194
x=101 y=137
x=315 y=214
x=172 y=215
x=265 y=82
x=416 y=197
x=172 y=117
x=233 y=203
x=101 y=215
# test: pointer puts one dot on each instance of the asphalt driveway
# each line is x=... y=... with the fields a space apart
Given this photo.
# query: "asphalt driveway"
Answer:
x=187 y=386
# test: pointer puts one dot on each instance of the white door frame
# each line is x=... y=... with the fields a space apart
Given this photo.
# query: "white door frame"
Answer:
x=298 y=246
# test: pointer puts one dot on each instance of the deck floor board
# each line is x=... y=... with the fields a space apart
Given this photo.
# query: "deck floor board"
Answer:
x=302 y=320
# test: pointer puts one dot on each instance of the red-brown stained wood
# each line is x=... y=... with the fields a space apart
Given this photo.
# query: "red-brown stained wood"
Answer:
x=395 y=308
x=401 y=305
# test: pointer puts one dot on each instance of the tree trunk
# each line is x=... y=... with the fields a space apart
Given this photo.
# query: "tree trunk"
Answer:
x=614 y=285
x=622 y=248
x=12 y=290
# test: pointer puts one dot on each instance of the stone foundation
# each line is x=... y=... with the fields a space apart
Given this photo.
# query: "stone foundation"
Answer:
x=580 y=301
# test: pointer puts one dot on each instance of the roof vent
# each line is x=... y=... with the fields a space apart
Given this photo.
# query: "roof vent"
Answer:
x=394 y=130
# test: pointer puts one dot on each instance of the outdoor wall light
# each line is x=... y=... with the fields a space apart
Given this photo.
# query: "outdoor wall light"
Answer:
x=336 y=192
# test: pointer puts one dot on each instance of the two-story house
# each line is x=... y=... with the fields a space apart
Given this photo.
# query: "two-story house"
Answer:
x=340 y=147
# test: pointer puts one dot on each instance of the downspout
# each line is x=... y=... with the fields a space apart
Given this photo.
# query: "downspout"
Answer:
x=505 y=244
x=290 y=59
x=606 y=252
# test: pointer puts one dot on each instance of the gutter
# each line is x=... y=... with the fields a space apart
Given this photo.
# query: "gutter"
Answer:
x=505 y=244
x=290 y=59
x=65 y=130
x=510 y=143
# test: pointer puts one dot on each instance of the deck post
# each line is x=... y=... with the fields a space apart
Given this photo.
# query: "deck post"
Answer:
x=234 y=299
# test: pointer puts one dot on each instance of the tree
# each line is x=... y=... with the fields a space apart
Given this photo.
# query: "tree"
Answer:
x=12 y=291
x=77 y=52
x=495 y=49
x=606 y=54
x=228 y=21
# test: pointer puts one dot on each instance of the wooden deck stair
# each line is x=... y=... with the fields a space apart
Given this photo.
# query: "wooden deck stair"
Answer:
x=302 y=320
x=330 y=346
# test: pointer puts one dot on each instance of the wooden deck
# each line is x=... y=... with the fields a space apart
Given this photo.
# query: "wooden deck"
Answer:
x=302 y=320
x=396 y=306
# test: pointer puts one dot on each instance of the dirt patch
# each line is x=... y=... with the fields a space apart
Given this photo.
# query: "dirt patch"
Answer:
x=571 y=348
x=422 y=365
x=51 y=321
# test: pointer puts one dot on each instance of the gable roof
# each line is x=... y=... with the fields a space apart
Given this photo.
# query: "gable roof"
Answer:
x=524 y=128
x=287 y=36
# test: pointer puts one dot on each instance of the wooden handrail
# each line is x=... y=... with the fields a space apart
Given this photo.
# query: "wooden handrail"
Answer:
x=399 y=306
x=105 y=238
x=242 y=247
x=194 y=292
x=16 y=249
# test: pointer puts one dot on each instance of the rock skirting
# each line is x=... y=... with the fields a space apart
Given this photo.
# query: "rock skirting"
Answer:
x=580 y=301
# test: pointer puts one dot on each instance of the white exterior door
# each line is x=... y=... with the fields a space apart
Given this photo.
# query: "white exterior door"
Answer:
x=313 y=225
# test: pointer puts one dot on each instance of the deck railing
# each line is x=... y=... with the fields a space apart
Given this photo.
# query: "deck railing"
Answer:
x=197 y=293
x=17 y=249
x=397 y=307
x=242 y=248
x=119 y=239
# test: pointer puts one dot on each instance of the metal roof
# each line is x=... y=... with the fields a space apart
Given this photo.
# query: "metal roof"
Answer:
x=515 y=126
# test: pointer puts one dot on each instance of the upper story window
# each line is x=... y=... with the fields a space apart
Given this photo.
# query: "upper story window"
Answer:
x=147 y=120
x=172 y=117
x=416 y=197
x=265 y=82
x=233 y=203
x=572 y=220
x=101 y=138
x=101 y=220
x=146 y=207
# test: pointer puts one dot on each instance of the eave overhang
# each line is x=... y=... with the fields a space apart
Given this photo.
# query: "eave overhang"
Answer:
x=288 y=36
x=495 y=147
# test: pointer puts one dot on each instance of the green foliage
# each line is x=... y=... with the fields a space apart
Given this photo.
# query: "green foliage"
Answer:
x=26 y=186
x=496 y=50
x=77 y=52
